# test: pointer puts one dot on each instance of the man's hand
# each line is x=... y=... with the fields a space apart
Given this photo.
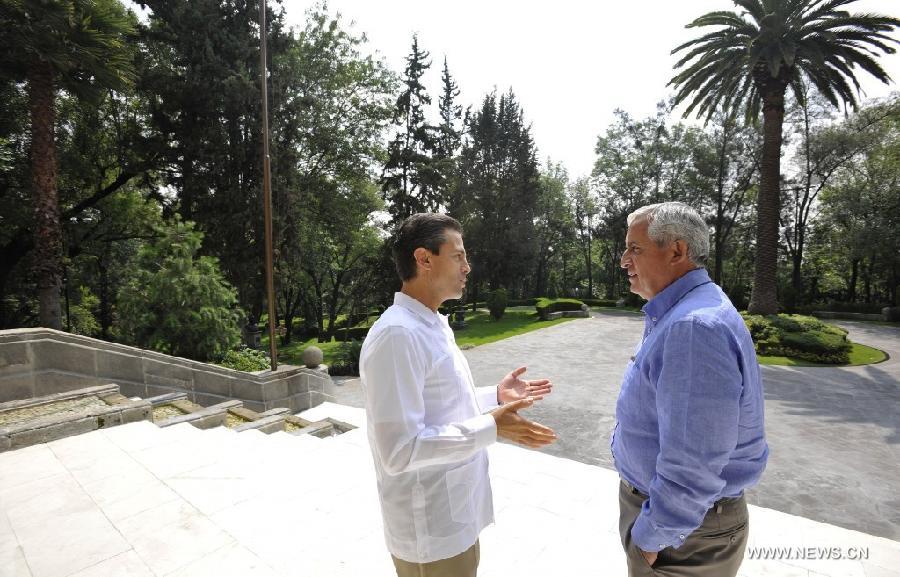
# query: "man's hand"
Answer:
x=512 y=388
x=649 y=556
x=512 y=426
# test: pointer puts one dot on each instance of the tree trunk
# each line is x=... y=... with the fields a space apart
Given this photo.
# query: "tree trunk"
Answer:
x=47 y=227
x=764 y=295
x=105 y=296
x=854 y=275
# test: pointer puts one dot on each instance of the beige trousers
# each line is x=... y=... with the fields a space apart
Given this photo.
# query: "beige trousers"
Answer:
x=463 y=565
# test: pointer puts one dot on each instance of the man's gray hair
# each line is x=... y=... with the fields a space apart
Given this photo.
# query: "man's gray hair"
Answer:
x=671 y=221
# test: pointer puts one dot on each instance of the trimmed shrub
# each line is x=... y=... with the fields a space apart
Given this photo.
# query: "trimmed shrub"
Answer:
x=546 y=306
x=799 y=337
x=521 y=302
x=497 y=303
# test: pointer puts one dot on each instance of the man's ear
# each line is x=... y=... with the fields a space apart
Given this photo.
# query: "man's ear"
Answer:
x=679 y=252
x=423 y=257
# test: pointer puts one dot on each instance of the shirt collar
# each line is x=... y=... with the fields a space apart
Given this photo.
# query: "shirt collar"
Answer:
x=666 y=298
x=411 y=304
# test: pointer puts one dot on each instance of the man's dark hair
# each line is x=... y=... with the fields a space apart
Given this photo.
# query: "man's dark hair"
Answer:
x=422 y=230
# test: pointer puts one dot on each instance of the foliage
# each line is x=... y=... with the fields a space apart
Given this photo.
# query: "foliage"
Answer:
x=798 y=336
x=80 y=46
x=748 y=61
x=410 y=182
x=351 y=334
x=177 y=302
x=82 y=315
x=497 y=195
x=348 y=363
x=496 y=302
x=333 y=108
x=245 y=359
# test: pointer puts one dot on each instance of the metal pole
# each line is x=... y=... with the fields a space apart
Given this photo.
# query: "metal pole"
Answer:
x=267 y=186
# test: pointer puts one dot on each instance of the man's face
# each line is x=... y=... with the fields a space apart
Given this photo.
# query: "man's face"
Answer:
x=649 y=266
x=449 y=268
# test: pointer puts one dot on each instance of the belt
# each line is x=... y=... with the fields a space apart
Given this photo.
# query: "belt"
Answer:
x=718 y=505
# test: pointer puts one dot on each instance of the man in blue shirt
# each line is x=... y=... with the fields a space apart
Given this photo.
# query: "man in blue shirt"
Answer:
x=689 y=436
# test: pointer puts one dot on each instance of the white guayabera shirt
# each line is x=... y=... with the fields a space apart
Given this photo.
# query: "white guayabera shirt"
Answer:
x=427 y=432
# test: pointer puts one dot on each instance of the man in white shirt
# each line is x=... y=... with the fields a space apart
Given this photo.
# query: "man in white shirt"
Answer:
x=428 y=425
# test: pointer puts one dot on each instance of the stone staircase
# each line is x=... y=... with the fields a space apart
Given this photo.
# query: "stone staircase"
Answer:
x=47 y=418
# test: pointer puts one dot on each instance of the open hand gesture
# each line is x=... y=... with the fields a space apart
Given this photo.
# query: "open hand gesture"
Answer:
x=512 y=388
x=518 y=429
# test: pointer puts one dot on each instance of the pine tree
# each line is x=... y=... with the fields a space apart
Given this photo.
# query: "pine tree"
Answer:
x=499 y=187
x=409 y=182
x=449 y=136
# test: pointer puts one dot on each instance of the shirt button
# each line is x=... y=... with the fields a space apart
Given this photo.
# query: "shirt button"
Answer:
x=653 y=319
x=681 y=537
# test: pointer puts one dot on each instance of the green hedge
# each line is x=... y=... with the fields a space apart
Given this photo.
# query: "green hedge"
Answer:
x=599 y=302
x=800 y=337
x=546 y=306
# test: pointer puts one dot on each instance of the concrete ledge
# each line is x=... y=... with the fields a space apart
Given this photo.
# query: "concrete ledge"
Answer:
x=37 y=362
x=204 y=418
x=270 y=424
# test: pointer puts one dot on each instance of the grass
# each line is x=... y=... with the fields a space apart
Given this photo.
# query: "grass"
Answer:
x=482 y=329
x=859 y=355
x=292 y=354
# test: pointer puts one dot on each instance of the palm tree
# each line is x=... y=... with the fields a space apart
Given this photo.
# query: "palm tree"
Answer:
x=749 y=62
x=74 y=45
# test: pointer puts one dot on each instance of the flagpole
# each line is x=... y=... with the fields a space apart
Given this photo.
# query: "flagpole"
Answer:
x=267 y=186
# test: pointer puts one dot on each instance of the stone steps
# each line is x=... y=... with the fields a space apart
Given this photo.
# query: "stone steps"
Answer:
x=43 y=419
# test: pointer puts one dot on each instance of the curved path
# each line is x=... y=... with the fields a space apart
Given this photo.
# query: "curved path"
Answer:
x=834 y=433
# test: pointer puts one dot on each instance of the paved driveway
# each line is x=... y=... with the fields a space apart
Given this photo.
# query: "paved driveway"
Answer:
x=834 y=433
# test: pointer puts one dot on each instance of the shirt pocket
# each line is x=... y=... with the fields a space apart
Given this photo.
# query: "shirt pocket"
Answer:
x=462 y=482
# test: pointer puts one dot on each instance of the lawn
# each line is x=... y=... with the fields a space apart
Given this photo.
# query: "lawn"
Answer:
x=292 y=354
x=480 y=329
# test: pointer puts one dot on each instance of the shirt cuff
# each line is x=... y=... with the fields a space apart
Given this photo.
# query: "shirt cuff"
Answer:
x=647 y=538
x=484 y=428
x=487 y=398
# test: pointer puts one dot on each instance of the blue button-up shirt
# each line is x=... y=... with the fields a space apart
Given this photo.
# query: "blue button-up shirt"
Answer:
x=690 y=413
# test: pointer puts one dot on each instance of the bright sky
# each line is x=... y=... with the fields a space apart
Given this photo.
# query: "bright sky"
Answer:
x=569 y=62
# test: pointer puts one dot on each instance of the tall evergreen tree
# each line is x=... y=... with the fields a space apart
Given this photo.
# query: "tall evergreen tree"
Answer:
x=449 y=139
x=206 y=74
x=499 y=188
x=74 y=45
x=449 y=131
x=409 y=182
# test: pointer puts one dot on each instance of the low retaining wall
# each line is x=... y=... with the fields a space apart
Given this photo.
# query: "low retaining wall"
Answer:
x=37 y=362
